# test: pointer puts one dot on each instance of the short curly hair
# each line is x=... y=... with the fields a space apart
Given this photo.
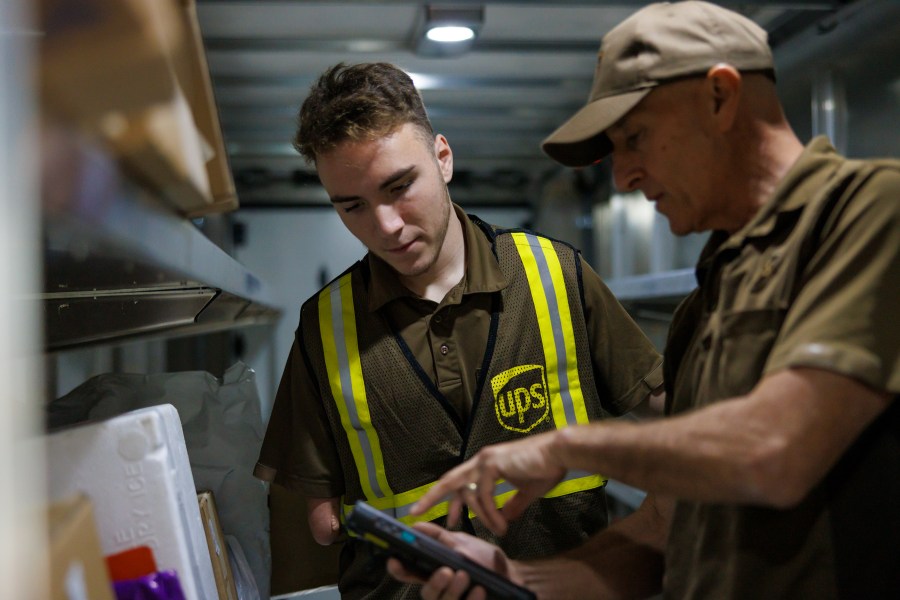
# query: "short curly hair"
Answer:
x=358 y=102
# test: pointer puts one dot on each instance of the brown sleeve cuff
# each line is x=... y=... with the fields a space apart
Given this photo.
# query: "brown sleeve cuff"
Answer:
x=844 y=360
x=654 y=379
x=264 y=472
x=643 y=388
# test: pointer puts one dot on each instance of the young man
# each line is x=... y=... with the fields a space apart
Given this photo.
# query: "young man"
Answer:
x=449 y=335
x=776 y=476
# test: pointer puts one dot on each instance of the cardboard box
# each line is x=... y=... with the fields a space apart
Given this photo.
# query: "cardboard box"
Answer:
x=163 y=149
x=133 y=74
x=198 y=89
x=135 y=469
x=218 y=550
x=176 y=147
x=98 y=56
x=77 y=568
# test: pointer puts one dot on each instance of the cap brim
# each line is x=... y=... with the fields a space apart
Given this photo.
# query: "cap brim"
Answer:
x=581 y=140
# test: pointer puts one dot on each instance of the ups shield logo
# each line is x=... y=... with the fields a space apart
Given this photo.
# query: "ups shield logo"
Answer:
x=520 y=397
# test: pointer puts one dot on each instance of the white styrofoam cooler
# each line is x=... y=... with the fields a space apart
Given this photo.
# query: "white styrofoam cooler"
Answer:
x=135 y=469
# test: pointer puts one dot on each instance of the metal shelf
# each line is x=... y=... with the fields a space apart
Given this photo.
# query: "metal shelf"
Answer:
x=119 y=265
x=668 y=286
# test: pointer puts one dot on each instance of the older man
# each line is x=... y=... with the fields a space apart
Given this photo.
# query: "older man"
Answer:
x=776 y=474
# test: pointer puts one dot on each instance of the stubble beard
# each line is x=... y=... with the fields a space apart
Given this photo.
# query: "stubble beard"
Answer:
x=439 y=239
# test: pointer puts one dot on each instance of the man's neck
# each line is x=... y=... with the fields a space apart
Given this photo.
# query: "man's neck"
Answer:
x=762 y=173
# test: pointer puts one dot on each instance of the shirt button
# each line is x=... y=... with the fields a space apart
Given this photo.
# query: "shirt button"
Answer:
x=445 y=349
x=438 y=318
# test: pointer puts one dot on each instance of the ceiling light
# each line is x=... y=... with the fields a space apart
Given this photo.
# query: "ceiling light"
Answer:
x=447 y=30
x=450 y=33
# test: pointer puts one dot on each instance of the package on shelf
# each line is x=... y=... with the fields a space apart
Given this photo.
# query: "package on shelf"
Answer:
x=197 y=86
x=163 y=149
x=135 y=469
x=98 y=57
x=223 y=431
x=77 y=568
x=133 y=74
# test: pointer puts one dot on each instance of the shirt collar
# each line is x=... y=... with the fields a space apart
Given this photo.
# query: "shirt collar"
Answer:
x=482 y=273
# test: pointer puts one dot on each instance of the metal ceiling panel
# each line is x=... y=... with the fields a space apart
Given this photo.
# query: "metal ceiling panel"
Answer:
x=528 y=71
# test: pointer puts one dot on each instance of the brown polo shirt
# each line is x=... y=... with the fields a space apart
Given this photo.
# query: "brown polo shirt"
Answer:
x=812 y=281
x=448 y=339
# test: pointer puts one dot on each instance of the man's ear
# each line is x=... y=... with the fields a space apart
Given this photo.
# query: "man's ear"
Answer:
x=724 y=83
x=444 y=156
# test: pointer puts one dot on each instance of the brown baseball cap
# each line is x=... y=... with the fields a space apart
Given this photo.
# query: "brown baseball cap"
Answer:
x=658 y=43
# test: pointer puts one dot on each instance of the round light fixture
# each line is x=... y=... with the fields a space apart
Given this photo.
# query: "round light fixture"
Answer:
x=450 y=33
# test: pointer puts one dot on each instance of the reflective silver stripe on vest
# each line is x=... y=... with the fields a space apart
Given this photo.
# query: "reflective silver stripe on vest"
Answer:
x=337 y=322
x=562 y=362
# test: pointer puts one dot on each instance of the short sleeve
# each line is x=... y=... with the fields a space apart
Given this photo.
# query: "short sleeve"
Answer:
x=298 y=450
x=844 y=317
x=626 y=364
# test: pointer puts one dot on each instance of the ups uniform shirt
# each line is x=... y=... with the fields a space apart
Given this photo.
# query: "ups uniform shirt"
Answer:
x=448 y=339
x=812 y=281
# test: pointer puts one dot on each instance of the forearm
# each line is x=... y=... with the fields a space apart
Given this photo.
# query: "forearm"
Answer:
x=769 y=447
x=323 y=515
x=623 y=561
x=682 y=457
x=633 y=572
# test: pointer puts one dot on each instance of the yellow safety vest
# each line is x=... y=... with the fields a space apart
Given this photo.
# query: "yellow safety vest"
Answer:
x=338 y=331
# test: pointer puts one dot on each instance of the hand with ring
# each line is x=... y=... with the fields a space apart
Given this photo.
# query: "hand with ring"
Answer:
x=530 y=464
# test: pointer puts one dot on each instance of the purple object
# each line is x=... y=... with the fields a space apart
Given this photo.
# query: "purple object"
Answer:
x=162 y=585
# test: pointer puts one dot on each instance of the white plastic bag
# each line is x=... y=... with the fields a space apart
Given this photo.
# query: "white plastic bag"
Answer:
x=243 y=577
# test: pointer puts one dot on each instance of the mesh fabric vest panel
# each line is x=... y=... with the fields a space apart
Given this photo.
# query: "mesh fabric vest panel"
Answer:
x=550 y=524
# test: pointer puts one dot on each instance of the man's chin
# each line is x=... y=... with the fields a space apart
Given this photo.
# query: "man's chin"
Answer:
x=406 y=268
x=679 y=229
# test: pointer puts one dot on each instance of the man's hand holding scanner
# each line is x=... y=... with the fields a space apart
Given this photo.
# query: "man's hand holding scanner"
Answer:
x=447 y=583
